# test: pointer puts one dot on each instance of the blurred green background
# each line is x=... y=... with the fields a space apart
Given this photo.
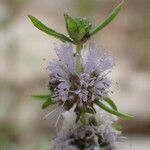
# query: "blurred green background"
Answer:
x=22 y=69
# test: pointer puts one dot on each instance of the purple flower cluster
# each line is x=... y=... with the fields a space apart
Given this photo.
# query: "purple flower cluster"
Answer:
x=73 y=91
x=97 y=136
x=70 y=88
x=82 y=137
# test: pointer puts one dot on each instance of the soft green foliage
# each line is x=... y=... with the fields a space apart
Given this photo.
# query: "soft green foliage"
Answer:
x=48 y=100
x=47 y=103
x=110 y=102
x=92 y=121
x=48 y=30
x=108 y=19
x=117 y=126
x=89 y=110
x=40 y=97
x=112 y=111
x=78 y=28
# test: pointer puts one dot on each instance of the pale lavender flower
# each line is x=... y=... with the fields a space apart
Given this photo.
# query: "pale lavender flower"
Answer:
x=111 y=136
x=70 y=88
x=106 y=128
x=98 y=136
x=82 y=137
x=63 y=141
x=95 y=60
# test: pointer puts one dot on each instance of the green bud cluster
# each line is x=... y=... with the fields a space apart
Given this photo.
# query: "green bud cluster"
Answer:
x=79 y=28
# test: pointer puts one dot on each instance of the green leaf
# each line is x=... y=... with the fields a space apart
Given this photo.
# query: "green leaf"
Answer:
x=71 y=25
x=47 y=103
x=78 y=28
x=110 y=102
x=38 y=24
x=84 y=26
x=78 y=115
x=89 y=110
x=46 y=98
x=106 y=108
x=40 y=97
x=109 y=18
x=92 y=121
x=117 y=127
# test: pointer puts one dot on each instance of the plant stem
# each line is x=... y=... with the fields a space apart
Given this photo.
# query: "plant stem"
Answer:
x=78 y=60
x=83 y=119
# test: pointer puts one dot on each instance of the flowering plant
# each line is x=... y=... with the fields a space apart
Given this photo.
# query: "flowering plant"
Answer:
x=80 y=89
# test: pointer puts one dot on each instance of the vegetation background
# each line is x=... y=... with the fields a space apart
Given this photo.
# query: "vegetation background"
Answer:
x=22 y=69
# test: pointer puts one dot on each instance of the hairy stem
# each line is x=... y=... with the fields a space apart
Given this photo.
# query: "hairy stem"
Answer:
x=78 y=60
x=83 y=119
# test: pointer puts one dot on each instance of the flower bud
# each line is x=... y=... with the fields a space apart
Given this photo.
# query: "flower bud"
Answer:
x=78 y=28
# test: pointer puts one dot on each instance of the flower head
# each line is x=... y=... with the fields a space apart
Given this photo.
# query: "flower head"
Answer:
x=82 y=137
x=88 y=137
x=68 y=87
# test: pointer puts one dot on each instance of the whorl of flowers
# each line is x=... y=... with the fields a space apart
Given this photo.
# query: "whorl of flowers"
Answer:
x=99 y=132
x=70 y=88
x=78 y=82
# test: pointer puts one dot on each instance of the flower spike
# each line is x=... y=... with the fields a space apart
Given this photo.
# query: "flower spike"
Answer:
x=80 y=88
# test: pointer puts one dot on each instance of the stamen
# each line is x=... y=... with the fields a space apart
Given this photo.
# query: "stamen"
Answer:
x=59 y=114
x=48 y=115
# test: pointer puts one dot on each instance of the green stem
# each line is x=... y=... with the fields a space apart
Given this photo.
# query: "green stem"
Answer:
x=78 y=61
x=83 y=119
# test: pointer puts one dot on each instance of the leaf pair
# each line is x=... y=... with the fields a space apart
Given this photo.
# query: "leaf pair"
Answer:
x=110 y=102
x=113 y=110
x=46 y=98
x=79 y=29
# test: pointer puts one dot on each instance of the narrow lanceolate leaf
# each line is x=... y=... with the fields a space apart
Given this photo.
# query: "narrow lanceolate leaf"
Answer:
x=38 y=24
x=92 y=121
x=108 y=19
x=110 y=102
x=46 y=98
x=106 y=108
x=78 y=115
x=40 y=97
x=71 y=25
x=47 y=103
x=117 y=127
x=89 y=110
